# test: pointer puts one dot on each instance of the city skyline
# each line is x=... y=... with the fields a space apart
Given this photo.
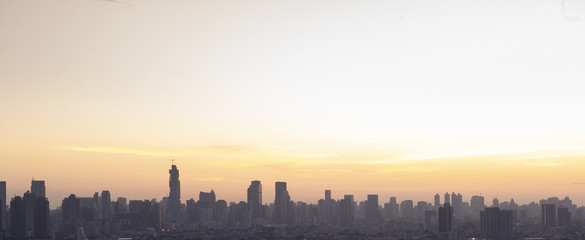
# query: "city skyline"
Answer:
x=38 y=187
x=396 y=98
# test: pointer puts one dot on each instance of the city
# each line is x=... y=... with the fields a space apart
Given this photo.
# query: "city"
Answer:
x=448 y=217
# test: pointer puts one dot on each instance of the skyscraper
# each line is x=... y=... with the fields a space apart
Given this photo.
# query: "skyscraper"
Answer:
x=407 y=210
x=37 y=188
x=255 y=199
x=281 y=202
x=17 y=218
x=447 y=198
x=563 y=216
x=437 y=200
x=70 y=209
x=41 y=218
x=346 y=211
x=174 y=208
x=446 y=218
x=106 y=211
x=549 y=218
x=3 y=203
x=372 y=213
x=496 y=223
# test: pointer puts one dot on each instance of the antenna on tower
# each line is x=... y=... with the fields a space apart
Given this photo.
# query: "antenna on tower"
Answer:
x=172 y=161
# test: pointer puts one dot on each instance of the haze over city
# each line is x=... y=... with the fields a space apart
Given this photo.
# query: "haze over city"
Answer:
x=396 y=98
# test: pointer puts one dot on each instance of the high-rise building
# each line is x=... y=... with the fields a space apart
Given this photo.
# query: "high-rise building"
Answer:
x=17 y=218
x=563 y=216
x=255 y=199
x=37 y=188
x=281 y=203
x=446 y=218
x=477 y=204
x=496 y=203
x=346 y=211
x=549 y=217
x=174 y=204
x=70 y=209
x=326 y=208
x=407 y=210
x=447 y=198
x=496 y=223
x=437 y=200
x=106 y=202
x=41 y=218
x=372 y=213
x=3 y=204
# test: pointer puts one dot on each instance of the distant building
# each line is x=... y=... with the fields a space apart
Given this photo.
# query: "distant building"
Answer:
x=37 y=188
x=447 y=198
x=563 y=216
x=70 y=207
x=446 y=218
x=407 y=210
x=281 y=204
x=3 y=204
x=255 y=199
x=549 y=218
x=437 y=200
x=174 y=204
x=477 y=204
x=106 y=212
x=346 y=211
x=496 y=224
x=17 y=218
x=372 y=213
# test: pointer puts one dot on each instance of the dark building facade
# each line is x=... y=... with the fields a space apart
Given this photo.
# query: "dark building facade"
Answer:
x=174 y=204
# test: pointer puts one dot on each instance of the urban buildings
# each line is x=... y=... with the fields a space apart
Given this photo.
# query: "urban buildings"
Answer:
x=496 y=223
x=255 y=199
x=174 y=203
x=446 y=218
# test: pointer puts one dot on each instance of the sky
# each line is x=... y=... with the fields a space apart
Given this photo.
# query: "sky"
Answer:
x=396 y=98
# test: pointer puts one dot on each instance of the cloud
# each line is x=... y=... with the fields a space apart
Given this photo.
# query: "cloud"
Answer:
x=407 y=170
x=124 y=151
x=543 y=164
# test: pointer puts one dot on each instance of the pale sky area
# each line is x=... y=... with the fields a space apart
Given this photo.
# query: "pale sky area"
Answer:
x=398 y=98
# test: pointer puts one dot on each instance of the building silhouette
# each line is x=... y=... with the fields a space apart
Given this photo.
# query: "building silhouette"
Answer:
x=372 y=213
x=446 y=218
x=346 y=211
x=255 y=199
x=281 y=204
x=407 y=210
x=563 y=216
x=17 y=218
x=549 y=218
x=174 y=202
x=496 y=223
x=106 y=211
x=37 y=187
x=437 y=200
x=3 y=204
x=41 y=218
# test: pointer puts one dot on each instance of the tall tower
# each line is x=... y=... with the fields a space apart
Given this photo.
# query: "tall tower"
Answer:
x=446 y=218
x=3 y=204
x=106 y=211
x=174 y=210
x=37 y=187
x=281 y=201
x=255 y=199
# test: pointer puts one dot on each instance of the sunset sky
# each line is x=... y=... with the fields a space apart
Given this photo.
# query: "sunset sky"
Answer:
x=398 y=98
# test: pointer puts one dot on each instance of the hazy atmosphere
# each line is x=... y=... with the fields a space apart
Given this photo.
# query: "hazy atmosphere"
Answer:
x=396 y=98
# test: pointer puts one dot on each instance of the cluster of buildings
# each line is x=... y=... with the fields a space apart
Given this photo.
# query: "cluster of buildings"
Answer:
x=100 y=217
